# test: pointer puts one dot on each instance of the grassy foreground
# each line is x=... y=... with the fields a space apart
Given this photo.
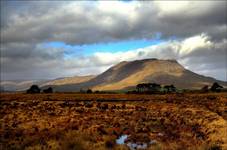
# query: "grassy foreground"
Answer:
x=64 y=121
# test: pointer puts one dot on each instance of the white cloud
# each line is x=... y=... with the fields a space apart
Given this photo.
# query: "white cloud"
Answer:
x=171 y=7
x=193 y=43
x=186 y=8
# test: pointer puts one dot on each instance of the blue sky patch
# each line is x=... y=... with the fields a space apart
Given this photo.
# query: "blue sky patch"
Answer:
x=112 y=47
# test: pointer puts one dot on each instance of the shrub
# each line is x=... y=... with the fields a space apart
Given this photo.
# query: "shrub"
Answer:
x=215 y=147
x=33 y=89
x=216 y=87
x=89 y=91
x=72 y=140
x=109 y=144
x=205 y=89
x=48 y=90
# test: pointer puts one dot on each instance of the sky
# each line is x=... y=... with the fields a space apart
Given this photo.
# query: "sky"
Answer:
x=52 y=39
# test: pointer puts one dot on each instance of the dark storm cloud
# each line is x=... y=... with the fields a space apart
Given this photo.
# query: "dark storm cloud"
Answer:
x=25 y=26
x=27 y=50
x=75 y=25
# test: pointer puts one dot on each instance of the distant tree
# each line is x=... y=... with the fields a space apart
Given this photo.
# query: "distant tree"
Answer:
x=148 y=87
x=48 y=90
x=140 y=87
x=216 y=87
x=169 y=88
x=173 y=88
x=153 y=87
x=89 y=91
x=205 y=88
x=33 y=89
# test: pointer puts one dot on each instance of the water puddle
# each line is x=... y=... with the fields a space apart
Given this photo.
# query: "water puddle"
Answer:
x=133 y=146
x=121 y=139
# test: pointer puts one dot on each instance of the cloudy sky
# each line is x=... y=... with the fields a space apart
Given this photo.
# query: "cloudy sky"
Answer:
x=47 y=39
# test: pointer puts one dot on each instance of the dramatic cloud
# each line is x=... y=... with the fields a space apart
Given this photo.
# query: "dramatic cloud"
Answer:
x=196 y=53
x=193 y=32
x=75 y=22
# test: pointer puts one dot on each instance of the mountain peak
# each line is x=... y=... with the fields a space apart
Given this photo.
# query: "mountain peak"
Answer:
x=149 y=60
x=172 y=60
x=128 y=74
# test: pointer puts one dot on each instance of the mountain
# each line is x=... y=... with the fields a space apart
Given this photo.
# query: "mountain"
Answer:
x=69 y=80
x=24 y=85
x=126 y=75
x=123 y=76
x=18 y=85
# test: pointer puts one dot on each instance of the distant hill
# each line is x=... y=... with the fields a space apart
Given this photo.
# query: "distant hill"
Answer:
x=18 y=85
x=68 y=80
x=24 y=85
x=126 y=75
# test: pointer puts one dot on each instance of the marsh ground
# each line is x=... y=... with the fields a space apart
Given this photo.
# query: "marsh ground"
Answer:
x=95 y=121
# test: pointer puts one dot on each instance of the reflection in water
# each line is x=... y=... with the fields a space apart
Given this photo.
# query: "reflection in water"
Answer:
x=121 y=139
x=133 y=146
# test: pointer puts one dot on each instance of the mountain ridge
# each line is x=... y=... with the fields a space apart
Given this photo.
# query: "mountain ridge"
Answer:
x=24 y=85
x=127 y=74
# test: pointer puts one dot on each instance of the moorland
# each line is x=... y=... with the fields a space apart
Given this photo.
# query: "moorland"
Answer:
x=113 y=121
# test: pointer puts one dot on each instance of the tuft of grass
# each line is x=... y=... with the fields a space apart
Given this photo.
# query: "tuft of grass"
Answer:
x=215 y=147
x=73 y=140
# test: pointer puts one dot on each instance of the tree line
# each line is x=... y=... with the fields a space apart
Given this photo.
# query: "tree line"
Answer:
x=35 y=89
x=157 y=88
x=140 y=88
x=154 y=88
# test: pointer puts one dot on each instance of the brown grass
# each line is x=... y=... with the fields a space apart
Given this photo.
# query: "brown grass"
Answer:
x=94 y=121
